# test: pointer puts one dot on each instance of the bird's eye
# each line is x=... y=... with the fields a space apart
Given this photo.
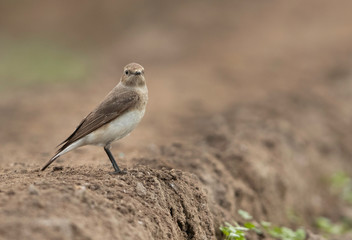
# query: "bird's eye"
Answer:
x=127 y=72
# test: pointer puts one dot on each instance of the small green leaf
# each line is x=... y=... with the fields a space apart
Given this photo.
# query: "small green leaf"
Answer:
x=300 y=234
x=265 y=224
x=245 y=215
x=249 y=225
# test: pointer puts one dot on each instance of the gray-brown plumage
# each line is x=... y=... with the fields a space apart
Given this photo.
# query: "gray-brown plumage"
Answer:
x=113 y=106
x=115 y=117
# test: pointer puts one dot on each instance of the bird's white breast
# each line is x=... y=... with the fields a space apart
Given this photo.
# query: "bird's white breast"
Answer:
x=116 y=129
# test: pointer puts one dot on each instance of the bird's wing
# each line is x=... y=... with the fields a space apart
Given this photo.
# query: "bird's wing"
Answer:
x=113 y=106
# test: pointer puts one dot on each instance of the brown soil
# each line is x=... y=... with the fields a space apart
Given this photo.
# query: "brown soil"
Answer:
x=256 y=115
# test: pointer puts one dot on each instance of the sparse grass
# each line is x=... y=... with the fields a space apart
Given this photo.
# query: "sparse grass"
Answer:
x=238 y=232
x=26 y=63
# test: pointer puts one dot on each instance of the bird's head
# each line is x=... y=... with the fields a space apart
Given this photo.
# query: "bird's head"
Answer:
x=133 y=75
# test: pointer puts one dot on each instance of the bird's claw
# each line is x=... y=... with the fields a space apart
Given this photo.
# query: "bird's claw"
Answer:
x=121 y=172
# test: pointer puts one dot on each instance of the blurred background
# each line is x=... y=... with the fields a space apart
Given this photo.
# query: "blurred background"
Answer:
x=59 y=59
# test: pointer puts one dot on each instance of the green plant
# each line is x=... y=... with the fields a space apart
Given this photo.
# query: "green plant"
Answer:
x=234 y=232
x=251 y=225
x=283 y=233
x=328 y=227
x=238 y=232
x=245 y=215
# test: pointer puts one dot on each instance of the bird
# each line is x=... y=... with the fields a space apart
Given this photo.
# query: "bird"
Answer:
x=114 y=118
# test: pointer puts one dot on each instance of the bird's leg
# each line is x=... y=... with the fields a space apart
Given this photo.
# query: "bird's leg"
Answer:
x=112 y=160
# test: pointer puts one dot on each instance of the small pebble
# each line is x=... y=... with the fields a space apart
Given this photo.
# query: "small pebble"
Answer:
x=140 y=189
x=81 y=192
x=32 y=190
x=139 y=175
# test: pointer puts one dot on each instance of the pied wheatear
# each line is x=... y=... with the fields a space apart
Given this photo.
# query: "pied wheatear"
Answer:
x=114 y=118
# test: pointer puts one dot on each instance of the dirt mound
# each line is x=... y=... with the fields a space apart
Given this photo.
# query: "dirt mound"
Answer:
x=90 y=204
x=270 y=159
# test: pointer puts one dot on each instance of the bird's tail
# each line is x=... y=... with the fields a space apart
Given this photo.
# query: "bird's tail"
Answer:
x=56 y=156
x=64 y=149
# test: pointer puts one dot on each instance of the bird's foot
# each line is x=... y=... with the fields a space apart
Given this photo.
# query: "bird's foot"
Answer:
x=121 y=172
